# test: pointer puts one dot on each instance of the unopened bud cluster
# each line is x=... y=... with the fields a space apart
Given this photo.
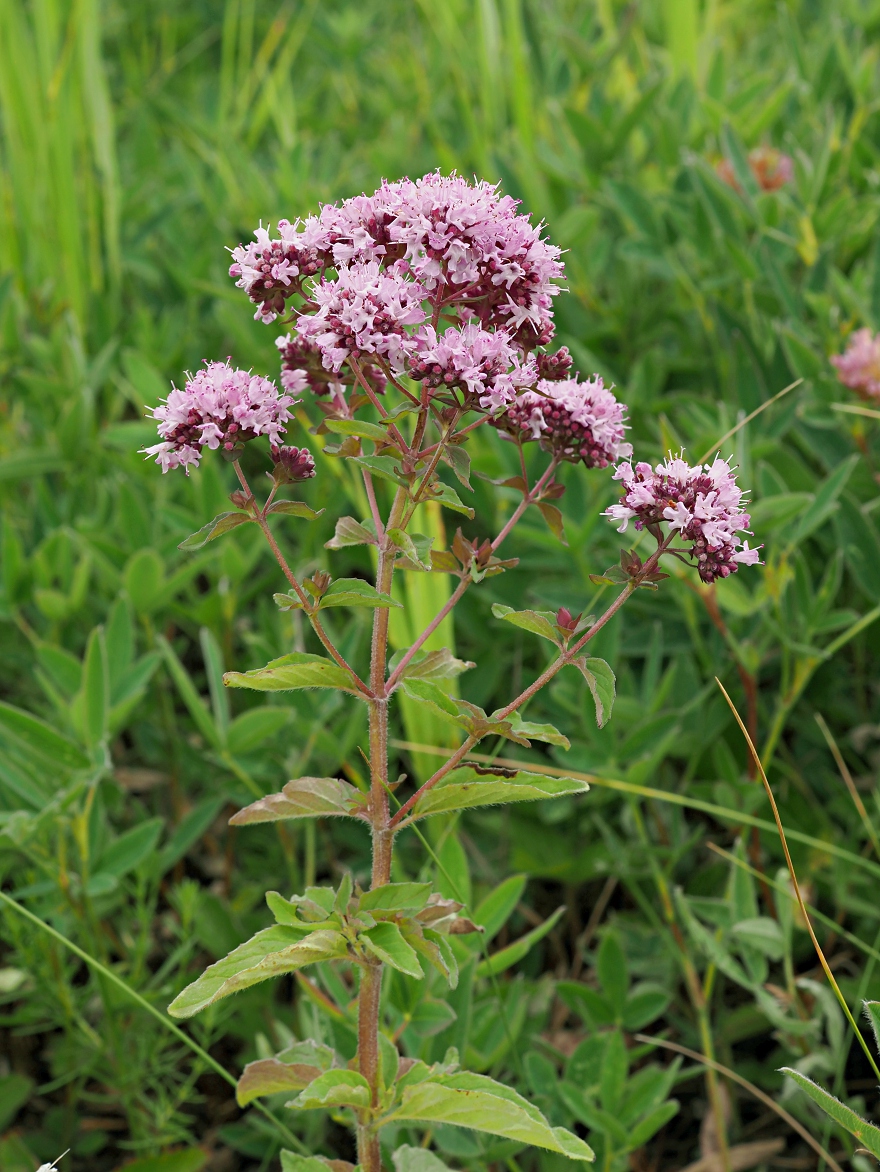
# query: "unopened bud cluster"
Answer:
x=573 y=420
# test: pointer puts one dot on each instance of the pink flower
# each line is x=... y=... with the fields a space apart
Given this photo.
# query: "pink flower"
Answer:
x=270 y=270
x=302 y=366
x=484 y=365
x=702 y=503
x=364 y=311
x=859 y=367
x=219 y=407
x=574 y=420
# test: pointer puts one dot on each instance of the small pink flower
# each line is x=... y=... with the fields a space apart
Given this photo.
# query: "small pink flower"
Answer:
x=483 y=364
x=702 y=503
x=364 y=311
x=859 y=366
x=219 y=407
x=575 y=420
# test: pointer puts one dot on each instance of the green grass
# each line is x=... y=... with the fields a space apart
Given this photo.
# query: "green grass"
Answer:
x=136 y=143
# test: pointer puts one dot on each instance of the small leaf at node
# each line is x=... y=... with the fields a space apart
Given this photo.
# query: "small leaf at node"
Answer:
x=386 y=942
x=465 y=789
x=431 y=665
x=416 y=546
x=305 y=797
x=553 y=517
x=297 y=670
x=270 y=953
x=397 y=897
x=268 y=1076
x=294 y=509
x=386 y=467
x=358 y=427
x=351 y=532
x=448 y=497
x=334 y=1088
x=355 y=592
x=216 y=528
x=539 y=622
x=601 y=682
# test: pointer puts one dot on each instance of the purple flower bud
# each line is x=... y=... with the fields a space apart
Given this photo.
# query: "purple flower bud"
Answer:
x=574 y=420
x=292 y=464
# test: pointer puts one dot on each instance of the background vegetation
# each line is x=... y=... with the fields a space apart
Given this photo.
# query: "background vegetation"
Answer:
x=136 y=140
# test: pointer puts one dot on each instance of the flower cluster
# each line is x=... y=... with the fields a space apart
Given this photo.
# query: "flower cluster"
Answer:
x=702 y=503
x=364 y=311
x=859 y=367
x=462 y=246
x=771 y=168
x=486 y=366
x=270 y=270
x=219 y=407
x=573 y=420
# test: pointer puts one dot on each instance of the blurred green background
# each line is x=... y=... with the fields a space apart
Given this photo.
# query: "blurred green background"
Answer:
x=137 y=142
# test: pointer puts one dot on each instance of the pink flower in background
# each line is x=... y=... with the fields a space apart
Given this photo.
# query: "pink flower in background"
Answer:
x=219 y=407
x=771 y=168
x=703 y=503
x=365 y=310
x=574 y=420
x=485 y=365
x=859 y=366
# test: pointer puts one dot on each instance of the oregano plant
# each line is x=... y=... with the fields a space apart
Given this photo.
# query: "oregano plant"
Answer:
x=415 y=316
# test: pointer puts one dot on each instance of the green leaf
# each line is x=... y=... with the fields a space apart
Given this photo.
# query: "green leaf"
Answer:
x=354 y=592
x=539 y=622
x=409 y=1159
x=465 y=789
x=213 y=658
x=432 y=696
x=351 y=532
x=505 y=957
x=188 y=831
x=305 y=797
x=553 y=517
x=866 y=1133
x=251 y=728
x=294 y=1162
x=456 y=456
x=431 y=665
x=131 y=848
x=410 y=897
x=285 y=911
x=612 y=971
x=449 y=498
x=644 y=1004
x=494 y=911
x=601 y=682
x=358 y=427
x=385 y=467
x=431 y=1017
x=297 y=670
x=648 y=1127
x=196 y=706
x=334 y=1088
x=294 y=509
x=473 y=1100
x=184 y=1160
x=144 y=580
x=530 y=731
x=416 y=546
x=270 y=953
x=825 y=501
x=386 y=942
x=15 y=1090
x=761 y=933
x=436 y=950
x=96 y=689
x=31 y=733
x=268 y=1076
x=595 y=1009
x=224 y=523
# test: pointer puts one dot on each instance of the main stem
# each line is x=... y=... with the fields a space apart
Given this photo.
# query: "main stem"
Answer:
x=369 y=995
